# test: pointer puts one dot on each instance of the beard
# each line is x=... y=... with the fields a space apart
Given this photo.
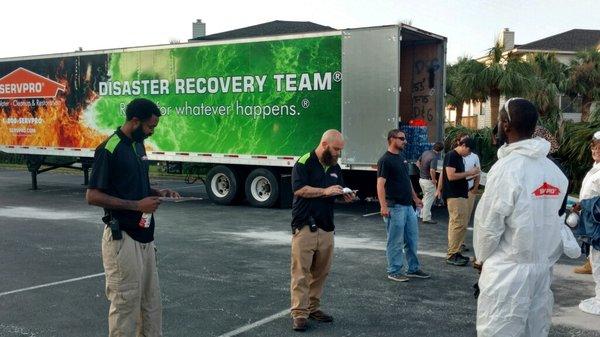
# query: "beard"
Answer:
x=138 y=134
x=500 y=138
x=328 y=158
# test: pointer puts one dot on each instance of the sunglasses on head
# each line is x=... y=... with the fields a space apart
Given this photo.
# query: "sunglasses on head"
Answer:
x=507 y=109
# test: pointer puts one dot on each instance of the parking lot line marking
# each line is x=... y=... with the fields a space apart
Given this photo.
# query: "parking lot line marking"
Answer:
x=43 y=190
x=256 y=324
x=50 y=284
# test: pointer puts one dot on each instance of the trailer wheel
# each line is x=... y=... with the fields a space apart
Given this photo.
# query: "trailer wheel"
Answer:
x=222 y=185
x=262 y=188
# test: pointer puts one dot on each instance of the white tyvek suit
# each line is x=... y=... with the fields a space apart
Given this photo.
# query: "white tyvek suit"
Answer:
x=590 y=187
x=592 y=305
x=516 y=236
x=571 y=247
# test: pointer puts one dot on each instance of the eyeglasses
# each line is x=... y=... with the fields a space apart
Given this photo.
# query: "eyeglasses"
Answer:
x=401 y=138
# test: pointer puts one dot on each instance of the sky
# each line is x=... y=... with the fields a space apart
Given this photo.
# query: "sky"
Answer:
x=38 y=27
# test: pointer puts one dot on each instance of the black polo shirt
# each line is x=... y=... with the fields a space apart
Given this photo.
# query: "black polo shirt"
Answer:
x=121 y=170
x=456 y=188
x=394 y=168
x=308 y=171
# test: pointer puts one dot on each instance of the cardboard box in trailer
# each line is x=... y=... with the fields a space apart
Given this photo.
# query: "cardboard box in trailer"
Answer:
x=250 y=107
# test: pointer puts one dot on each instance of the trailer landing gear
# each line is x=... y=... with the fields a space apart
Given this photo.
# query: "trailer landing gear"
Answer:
x=35 y=163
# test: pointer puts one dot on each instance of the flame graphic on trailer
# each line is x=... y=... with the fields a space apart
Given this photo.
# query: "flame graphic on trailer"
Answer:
x=42 y=102
x=213 y=98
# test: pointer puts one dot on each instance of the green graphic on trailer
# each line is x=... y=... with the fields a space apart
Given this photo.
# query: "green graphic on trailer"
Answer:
x=260 y=98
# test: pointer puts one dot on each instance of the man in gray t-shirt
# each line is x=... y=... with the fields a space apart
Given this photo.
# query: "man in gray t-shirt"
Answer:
x=427 y=164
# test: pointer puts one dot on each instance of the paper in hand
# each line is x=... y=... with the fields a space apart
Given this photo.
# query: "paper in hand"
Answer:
x=347 y=190
x=180 y=199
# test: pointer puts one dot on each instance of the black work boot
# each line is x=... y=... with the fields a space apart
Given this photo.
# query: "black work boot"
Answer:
x=320 y=316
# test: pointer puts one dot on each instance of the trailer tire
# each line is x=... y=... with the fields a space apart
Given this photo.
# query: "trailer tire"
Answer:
x=223 y=185
x=262 y=188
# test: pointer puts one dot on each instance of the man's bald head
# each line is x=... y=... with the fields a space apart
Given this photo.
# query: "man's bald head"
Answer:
x=331 y=136
x=331 y=146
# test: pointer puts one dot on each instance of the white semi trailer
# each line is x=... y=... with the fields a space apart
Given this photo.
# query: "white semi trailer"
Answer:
x=247 y=107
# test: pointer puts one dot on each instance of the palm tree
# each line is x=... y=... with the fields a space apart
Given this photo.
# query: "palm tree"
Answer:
x=452 y=99
x=462 y=86
x=574 y=149
x=547 y=81
x=502 y=75
x=584 y=79
x=548 y=76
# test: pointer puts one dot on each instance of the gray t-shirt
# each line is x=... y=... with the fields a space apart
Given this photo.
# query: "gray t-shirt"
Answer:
x=426 y=159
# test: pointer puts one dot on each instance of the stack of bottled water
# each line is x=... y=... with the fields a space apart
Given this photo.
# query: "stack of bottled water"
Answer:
x=418 y=141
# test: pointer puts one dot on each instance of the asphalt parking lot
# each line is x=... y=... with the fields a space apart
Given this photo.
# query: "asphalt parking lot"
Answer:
x=224 y=271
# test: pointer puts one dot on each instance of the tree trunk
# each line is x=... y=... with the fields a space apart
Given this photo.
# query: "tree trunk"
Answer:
x=459 y=112
x=586 y=105
x=494 y=105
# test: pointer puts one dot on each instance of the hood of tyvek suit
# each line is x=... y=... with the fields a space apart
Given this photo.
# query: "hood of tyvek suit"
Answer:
x=595 y=168
x=590 y=187
x=534 y=148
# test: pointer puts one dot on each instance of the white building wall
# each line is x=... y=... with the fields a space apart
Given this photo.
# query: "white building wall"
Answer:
x=485 y=120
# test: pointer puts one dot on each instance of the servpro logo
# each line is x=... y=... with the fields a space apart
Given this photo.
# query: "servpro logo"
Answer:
x=24 y=84
x=546 y=191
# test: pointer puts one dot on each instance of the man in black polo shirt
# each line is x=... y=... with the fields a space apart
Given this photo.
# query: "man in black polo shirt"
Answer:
x=316 y=181
x=120 y=184
x=396 y=196
x=456 y=193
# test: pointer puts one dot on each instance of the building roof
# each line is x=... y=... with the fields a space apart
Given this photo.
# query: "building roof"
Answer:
x=572 y=40
x=277 y=27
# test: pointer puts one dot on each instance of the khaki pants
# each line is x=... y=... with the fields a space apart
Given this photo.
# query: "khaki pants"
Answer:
x=428 y=198
x=131 y=287
x=312 y=253
x=457 y=224
x=470 y=205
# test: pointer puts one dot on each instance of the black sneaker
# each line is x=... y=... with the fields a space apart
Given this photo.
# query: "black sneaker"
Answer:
x=398 y=277
x=457 y=260
x=418 y=274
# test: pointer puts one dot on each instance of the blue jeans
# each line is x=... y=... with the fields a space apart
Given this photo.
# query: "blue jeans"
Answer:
x=402 y=237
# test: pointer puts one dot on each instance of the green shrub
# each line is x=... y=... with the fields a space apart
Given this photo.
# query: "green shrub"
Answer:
x=483 y=139
x=10 y=158
x=574 y=151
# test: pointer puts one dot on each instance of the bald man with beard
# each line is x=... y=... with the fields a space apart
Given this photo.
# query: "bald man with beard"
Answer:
x=317 y=182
